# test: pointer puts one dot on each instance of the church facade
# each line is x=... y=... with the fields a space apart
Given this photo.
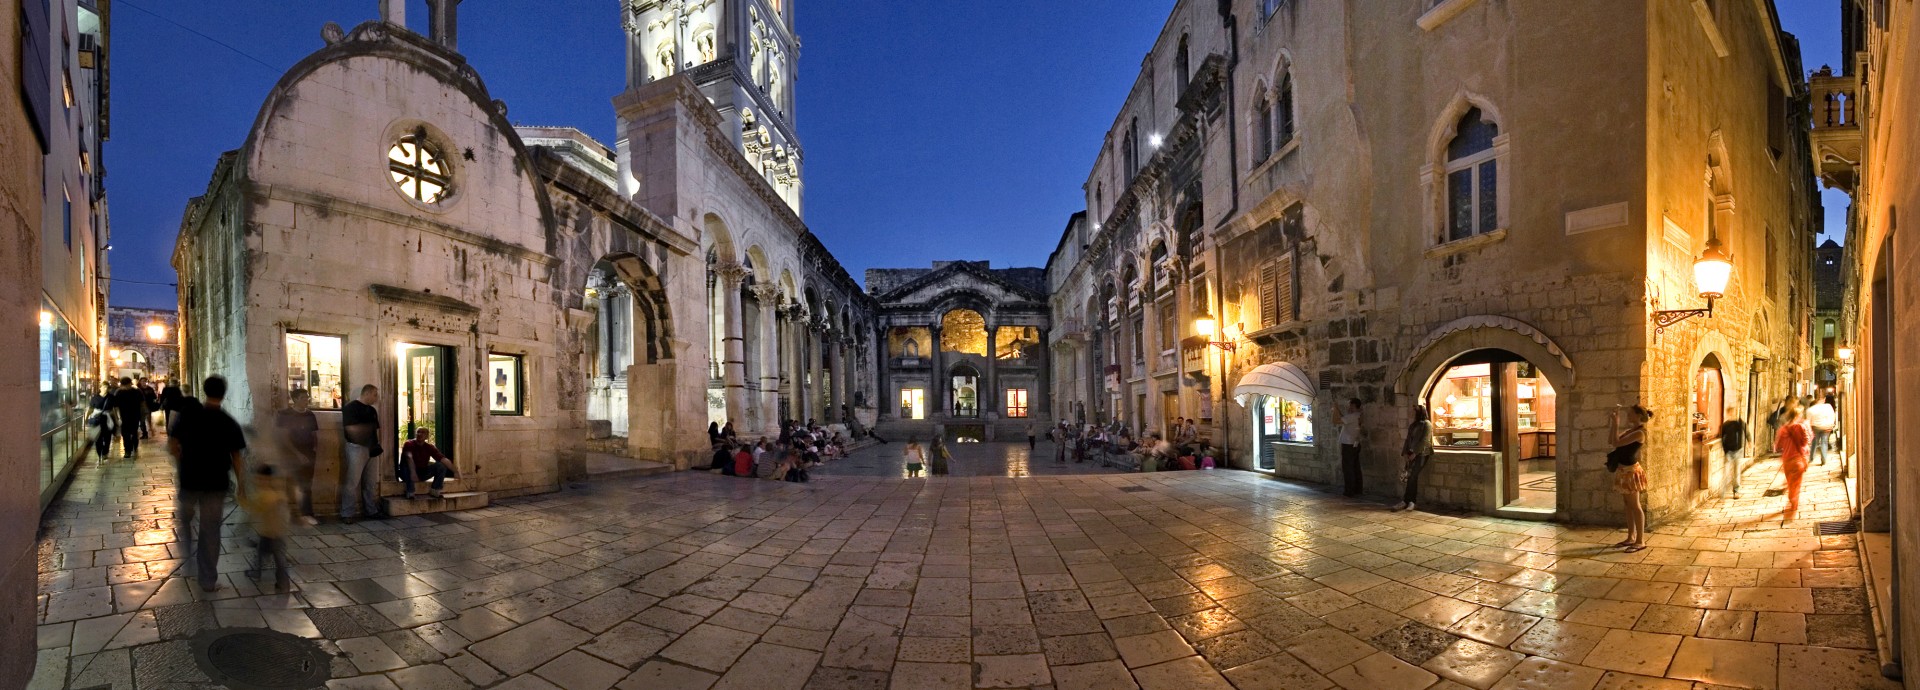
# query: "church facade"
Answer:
x=964 y=349
x=542 y=303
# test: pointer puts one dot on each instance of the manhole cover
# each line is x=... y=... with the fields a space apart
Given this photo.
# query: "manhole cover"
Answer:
x=257 y=659
x=1134 y=489
x=1840 y=527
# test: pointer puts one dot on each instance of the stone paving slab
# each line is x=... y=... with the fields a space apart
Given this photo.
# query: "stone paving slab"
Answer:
x=1011 y=573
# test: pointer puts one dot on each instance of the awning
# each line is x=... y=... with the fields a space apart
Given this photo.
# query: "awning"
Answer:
x=1279 y=379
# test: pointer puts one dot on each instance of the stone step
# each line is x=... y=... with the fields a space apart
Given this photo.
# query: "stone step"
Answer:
x=398 y=506
x=393 y=487
x=610 y=466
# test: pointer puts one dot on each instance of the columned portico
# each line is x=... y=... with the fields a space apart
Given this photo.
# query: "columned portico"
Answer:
x=768 y=397
x=734 y=363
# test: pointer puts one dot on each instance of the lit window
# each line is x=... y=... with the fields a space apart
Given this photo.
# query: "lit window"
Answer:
x=1286 y=420
x=1016 y=402
x=506 y=392
x=418 y=169
x=314 y=365
x=1473 y=190
x=1462 y=405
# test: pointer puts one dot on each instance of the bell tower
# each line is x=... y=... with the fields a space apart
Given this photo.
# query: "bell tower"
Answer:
x=742 y=54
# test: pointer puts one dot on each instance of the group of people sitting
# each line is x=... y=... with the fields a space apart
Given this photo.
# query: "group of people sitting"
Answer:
x=798 y=449
x=1185 y=451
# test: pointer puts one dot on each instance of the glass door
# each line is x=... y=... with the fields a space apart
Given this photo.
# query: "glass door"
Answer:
x=424 y=394
x=913 y=403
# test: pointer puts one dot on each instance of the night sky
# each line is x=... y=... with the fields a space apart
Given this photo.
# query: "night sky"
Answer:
x=932 y=130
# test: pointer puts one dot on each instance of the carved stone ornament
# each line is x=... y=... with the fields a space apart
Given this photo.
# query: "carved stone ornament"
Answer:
x=731 y=272
x=766 y=293
x=332 y=33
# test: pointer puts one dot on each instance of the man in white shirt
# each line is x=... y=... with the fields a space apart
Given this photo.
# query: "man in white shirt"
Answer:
x=1349 y=421
x=1823 y=419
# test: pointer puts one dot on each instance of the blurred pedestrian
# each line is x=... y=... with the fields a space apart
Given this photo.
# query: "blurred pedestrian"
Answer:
x=150 y=400
x=267 y=504
x=916 y=456
x=130 y=406
x=1822 y=418
x=1349 y=419
x=940 y=457
x=1733 y=445
x=300 y=430
x=1792 y=443
x=206 y=445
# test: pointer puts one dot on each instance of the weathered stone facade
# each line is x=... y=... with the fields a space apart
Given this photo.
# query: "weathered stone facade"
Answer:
x=521 y=291
x=1373 y=196
x=964 y=346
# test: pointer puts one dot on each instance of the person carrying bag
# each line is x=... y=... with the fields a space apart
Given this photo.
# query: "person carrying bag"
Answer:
x=1415 y=451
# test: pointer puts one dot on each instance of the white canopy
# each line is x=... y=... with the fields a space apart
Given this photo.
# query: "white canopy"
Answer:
x=1279 y=379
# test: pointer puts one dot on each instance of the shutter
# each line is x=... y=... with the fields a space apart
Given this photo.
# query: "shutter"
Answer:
x=1283 y=289
x=1269 y=306
x=36 y=82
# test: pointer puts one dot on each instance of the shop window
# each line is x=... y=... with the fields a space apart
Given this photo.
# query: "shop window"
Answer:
x=314 y=363
x=506 y=385
x=1286 y=420
x=1462 y=406
x=1016 y=402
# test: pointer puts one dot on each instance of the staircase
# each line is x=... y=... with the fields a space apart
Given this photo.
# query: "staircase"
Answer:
x=454 y=497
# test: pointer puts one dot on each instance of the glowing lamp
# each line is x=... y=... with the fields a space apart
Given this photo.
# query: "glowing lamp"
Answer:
x=1845 y=352
x=1712 y=271
x=1205 y=325
x=157 y=332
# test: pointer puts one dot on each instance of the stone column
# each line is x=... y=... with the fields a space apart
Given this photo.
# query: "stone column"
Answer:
x=769 y=397
x=844 y=372
x=990 y=387
x=939 y=369
x=734 y=363
x=884 y=399
x=815 y=371
x=1045 y=387
x=836 y=370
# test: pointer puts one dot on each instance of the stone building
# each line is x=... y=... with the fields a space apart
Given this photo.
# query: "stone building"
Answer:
x=1864 y=144
x=1829 y=296
x=547 y=305
x=1391 y=205
x=141 y=342
x=965 y=348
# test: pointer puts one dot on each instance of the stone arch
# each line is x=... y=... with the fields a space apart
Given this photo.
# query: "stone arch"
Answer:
x=719 y=238
x=1449 y=120
x=1484 y=332
x=651 y=312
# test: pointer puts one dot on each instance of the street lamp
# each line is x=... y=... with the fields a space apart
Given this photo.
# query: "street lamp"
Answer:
x=1845 y=352
x=157 y=332
x=1710 y=274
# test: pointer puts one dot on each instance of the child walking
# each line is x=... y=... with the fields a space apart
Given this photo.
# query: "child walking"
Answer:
x=267 y=503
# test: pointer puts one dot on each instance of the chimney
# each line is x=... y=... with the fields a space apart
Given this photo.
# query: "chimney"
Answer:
x=443 y=22
x=394 y=12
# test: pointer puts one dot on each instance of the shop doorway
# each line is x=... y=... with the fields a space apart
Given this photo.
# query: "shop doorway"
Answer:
x=1497 y=401
x=1279 y=422
x=424 y=394
x=1169 y=409
x=965 y=391
x=913 y=403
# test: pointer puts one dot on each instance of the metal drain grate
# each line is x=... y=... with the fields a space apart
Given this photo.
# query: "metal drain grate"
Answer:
x=1837 y=527
x=258 y=659
x=1134 y=489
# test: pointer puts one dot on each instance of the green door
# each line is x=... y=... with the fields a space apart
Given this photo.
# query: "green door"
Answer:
x=426 y=395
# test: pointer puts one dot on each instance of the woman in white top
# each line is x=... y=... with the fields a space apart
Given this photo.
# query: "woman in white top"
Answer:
x=916 y=457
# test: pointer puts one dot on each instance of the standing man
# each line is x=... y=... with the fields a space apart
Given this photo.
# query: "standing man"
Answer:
x=1823 y=418
x=1032 y=440
x=301 y=430
x=1349 y=421
x=359 y=477
x=151 y=397
x=205 y=446
x=131 y=407
x=1733 y=444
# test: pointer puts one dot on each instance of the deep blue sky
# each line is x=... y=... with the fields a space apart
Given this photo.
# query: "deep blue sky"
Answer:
x=932 y=130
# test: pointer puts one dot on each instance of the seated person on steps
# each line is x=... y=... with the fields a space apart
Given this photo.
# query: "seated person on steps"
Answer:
x=420 y=461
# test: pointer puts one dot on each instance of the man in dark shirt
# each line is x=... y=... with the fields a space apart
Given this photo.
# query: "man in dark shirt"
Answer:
x=131 y=406
x=205 y=445
x=421 y=461
x=359 y=476
x=301 y=432
x=1733 y=444
x=151 y=398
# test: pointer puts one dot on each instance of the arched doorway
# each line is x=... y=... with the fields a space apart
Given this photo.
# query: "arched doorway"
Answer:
x=1496 y=402
x=964 y=391
x=1704 y=420
x=630 y=359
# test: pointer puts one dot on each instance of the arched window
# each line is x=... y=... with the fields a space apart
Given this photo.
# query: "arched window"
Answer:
x=1262 y=130
x=1283 y=110
x=1473 y=188
x=1181 y=67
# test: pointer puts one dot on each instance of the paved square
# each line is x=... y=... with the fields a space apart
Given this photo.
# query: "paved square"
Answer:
x=1012 y=573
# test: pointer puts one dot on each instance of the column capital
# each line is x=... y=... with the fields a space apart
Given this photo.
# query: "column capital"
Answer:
x=731 y=272
x=767 y=293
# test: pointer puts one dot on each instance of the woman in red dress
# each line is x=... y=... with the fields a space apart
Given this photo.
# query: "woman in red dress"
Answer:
x=1791 y=442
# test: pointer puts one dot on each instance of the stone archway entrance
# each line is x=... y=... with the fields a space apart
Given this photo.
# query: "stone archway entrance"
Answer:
x=630 y=368
x=963 y=390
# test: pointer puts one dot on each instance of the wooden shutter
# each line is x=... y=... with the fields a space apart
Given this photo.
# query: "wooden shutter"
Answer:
x=1269 y=286
x=1283 y=297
